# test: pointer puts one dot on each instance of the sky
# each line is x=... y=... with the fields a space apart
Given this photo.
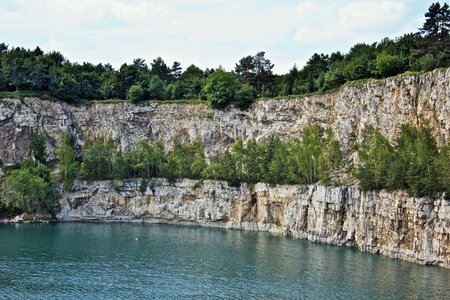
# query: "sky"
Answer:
x=205 y=33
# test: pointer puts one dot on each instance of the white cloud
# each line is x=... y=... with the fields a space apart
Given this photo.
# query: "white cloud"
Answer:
x=57 y=43
x=356 y=21
x=204 y=32
x=140 y=12
x=370 y=15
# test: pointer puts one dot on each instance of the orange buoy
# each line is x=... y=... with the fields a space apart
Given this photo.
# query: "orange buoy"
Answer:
x=136 y=239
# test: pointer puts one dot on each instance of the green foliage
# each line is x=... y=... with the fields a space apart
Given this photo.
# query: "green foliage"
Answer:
x=194 y=81
x=220 y=88
x=97 y=159
x=117 y=184
x=156 y=88
x=28 y=188
x=437 y=23
x=136 y=93
x=313 y=156
x=441 y=163
x=425 y=62
x=375 y=156
x=416 y=151
x=245 y=96
x=143 y=186
x=175 y=90
x=302 y=161
x=414 y=164
x=255 y=71
x=64 y=86
x=66 y=156
x=389 y=65
x=39 y=147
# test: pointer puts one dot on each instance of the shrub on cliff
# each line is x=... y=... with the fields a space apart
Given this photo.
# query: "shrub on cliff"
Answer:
x=136 y=93
x=220 y=88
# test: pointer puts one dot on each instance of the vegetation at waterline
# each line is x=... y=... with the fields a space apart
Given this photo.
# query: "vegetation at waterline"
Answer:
x=54 y=76
x=29 y=186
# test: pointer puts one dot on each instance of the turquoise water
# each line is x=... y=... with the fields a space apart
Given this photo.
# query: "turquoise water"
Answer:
x=94 y=261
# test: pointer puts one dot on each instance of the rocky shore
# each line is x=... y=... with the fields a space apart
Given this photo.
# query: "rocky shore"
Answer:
x=391 y=224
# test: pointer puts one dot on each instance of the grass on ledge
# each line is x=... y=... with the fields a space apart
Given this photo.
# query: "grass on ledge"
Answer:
x=44 y=95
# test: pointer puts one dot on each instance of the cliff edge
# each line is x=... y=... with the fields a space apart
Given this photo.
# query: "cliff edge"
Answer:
x=385 y=104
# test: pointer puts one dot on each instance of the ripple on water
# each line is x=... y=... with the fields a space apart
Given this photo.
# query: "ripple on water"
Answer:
x=92 y=261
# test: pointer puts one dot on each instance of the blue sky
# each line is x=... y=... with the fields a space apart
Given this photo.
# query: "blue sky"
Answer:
x=204 y=33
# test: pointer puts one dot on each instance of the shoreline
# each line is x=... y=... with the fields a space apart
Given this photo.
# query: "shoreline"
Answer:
x=232 y=225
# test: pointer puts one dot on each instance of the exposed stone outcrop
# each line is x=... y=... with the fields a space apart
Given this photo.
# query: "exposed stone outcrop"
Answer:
x=385 y=104
x=392 y=224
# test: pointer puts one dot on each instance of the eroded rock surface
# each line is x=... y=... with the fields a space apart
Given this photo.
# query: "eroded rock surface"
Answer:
x=392 y=224
x=385 y=104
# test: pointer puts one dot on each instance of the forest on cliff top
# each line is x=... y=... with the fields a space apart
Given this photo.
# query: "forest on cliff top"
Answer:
x=52 y=75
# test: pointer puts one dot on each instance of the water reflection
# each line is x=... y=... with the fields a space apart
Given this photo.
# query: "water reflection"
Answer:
x=104 y=260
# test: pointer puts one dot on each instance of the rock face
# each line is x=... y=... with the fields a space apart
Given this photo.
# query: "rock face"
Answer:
x=392 y=224
x=385 y=104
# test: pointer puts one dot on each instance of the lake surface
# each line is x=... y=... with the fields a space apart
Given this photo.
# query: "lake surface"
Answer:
x=94 y=261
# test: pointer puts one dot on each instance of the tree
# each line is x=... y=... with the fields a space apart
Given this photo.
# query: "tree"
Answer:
x=96 y=161
x=28 y=188
x=135 y=93
x=288 y=81
x=160 y=69
x=175 y=71
x=146 y=166
x=175 y=90
x=437 y=25
x=199 y=164
x=66 y=156
x=220 y=88
x=416 y=150
x=64 y=85
x=376 y=157
x=25 y=190
x=245 y=96
x=437 y=22
x=388 y=65
x=256 y=71
x=156 y=88
x=39 y=147
x=194 y=79
x=140 y=64
x=442 y=164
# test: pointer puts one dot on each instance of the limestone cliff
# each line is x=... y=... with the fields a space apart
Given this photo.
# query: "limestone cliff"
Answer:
x=392 y=224
x=386 y=104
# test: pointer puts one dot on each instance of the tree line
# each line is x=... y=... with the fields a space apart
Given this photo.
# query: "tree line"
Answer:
x=52 y=73
x=30 y=185
x=414 y=163
x=305 y=159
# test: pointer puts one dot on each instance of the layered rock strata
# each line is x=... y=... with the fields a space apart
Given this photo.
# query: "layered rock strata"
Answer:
x=385 y=104
x=392 y=224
